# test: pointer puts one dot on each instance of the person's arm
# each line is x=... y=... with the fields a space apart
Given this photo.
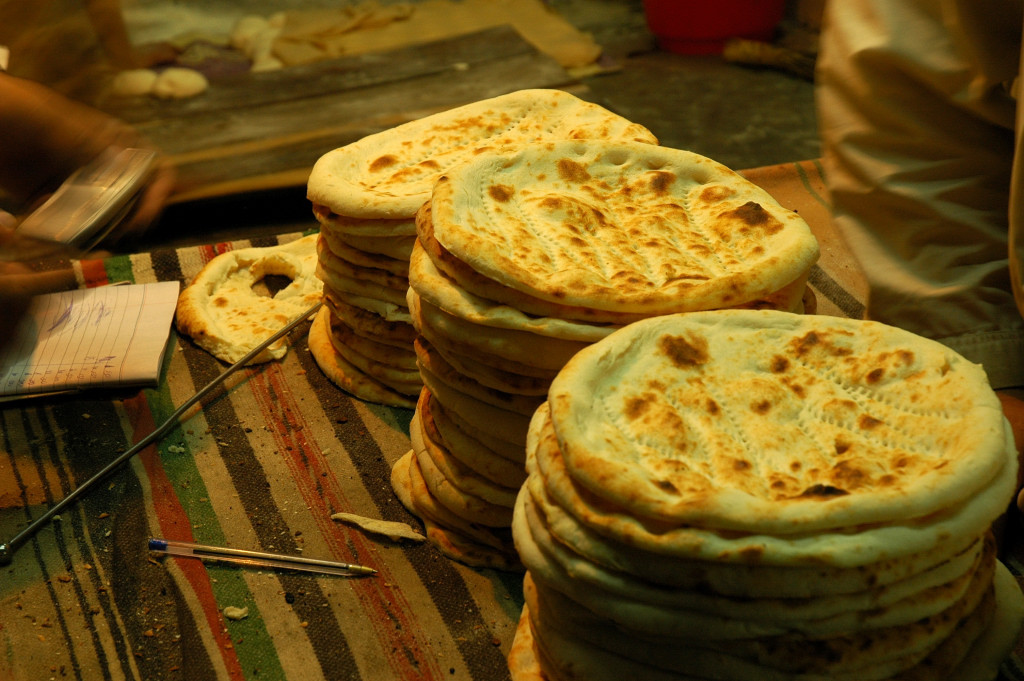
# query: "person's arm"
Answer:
x=917 y=128
x=44 y=137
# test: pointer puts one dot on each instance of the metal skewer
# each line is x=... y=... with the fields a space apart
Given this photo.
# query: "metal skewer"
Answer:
x=257 y=558
x=7 y=549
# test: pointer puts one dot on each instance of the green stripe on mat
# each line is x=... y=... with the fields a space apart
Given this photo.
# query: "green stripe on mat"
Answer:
x=227 y=583
x=119 y=268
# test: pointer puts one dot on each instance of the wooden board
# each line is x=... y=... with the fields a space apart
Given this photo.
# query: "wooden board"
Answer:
x=265 y=130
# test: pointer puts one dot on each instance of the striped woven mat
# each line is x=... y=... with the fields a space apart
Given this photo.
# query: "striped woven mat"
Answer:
x=263 y=463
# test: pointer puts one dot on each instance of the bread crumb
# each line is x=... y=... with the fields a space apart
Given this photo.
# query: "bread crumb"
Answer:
x=235 y=613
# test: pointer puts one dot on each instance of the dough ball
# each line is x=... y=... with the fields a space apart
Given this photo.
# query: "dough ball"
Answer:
x=133 y=83
x=246 y=30
x=179 y=83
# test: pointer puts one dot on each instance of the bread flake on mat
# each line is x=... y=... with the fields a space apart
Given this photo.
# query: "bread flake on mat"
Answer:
x=394 y=531
x=233 y=612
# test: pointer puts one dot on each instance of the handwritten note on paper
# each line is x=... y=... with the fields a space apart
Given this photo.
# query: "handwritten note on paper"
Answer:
x=105 y=336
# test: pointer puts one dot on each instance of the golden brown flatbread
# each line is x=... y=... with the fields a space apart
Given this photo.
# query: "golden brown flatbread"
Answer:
x=345 y=375
x=432 y=361
x=389 y=175
x=359 y=258
x=462 y=476
x=777 y=423
x=370 y=324
x=472 y=545
x=223 y=313
x=469 y=451
x=597 y=230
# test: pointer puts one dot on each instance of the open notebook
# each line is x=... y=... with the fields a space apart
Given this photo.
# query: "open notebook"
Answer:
x=88 y=338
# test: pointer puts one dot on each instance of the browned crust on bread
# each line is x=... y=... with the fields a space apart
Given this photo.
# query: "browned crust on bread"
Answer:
x=370 y=324
x=434 y=362
x=345 y=375
x=480 y=285
x=471 y=452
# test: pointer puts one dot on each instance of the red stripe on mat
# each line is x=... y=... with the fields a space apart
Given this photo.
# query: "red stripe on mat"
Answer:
x=94 y=273
x=323 y=495
x=210 y=251
x=174 y=522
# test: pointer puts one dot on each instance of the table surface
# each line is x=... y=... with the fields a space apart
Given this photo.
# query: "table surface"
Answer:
x=265 y=130
x=262 y=463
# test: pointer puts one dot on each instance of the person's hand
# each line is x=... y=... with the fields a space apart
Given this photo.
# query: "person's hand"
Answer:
x=14 y=298
x=19 y=282
x=44 y=137
x=147 y=208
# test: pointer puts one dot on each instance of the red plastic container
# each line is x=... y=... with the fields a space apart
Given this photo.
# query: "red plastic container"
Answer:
x=704 y=26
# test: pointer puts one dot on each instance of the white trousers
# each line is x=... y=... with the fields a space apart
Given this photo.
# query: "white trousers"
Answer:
x=925 y=164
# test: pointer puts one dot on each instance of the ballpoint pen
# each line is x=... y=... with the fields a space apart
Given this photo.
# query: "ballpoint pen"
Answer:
x=257 y=558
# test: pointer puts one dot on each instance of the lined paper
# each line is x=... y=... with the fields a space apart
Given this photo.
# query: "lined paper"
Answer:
x=104 y=336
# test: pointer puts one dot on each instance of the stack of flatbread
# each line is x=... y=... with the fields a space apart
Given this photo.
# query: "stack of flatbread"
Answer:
x=525 y=258
x=365 y=197
x=765 y=496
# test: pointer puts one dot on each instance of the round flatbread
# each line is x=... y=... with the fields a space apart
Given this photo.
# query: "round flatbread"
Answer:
x=845 y=548
x=625 y=229
x=516 y=347
x=794 y=613
x=224 y=314
x=438 y=290
x=462 y=477
x=502 y=424
x=400 y=380
x=399 y=230
x=389 y=312
x=466 y=506
x=757 y=581
x=474 y=361
x=432 y=361
x=338 y=265
x=881 y=657
x=356 y=290
x=401 y=358
x=469 y=451
x=471 y=545
x=370 y=324
x=411 y=489
x=445 y=418
x=390 y=174
x=777 y=423
x=365 y=259
x=397 y=247
x=523 y=658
